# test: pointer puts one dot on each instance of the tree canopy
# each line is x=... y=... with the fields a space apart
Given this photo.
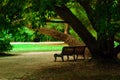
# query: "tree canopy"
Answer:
x=95 y=21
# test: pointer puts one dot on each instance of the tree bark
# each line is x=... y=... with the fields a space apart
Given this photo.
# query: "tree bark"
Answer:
x=79 y=28
x=90 y=13
x=90 y=41
x=61 y=36
x=67 y=28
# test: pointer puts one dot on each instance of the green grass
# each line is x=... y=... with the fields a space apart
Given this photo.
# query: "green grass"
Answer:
x=35 y=47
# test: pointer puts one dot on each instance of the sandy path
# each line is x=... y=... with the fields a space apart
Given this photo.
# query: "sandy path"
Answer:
x=16 y=67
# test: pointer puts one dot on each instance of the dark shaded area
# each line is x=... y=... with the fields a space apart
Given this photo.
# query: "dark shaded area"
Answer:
x=7 y=54
x=37 y=39
x=76 y=71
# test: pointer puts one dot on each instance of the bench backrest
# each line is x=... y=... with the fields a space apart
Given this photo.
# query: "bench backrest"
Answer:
x=68 y=50
x=79 y=49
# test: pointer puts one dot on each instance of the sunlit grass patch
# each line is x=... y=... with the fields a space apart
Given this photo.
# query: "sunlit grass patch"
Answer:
x=36 y=47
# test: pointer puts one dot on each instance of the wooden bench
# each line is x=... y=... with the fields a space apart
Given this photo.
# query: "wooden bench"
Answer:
x=71 y=51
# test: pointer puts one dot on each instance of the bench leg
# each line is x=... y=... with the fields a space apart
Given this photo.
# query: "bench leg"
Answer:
x=55 y=56
x=74 y=57
x=62 y=58
x=67 y=57
x=84 y=56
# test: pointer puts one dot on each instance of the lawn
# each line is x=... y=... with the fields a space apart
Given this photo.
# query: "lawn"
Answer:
x=21 y=47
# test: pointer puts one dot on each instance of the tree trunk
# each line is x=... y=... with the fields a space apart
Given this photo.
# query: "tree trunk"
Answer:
x=100 y=49
x=61 y=36
x=78 y=27
x=67 y=28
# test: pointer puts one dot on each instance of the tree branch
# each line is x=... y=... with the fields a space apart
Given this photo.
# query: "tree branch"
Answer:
x=79 y=28
x=86 y=5
x=60 y=36
x=56 y=21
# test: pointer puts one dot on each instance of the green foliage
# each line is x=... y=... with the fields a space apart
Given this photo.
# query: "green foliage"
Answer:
x=22 y=34
x=57 y=26
x=5 y=45
x=116 y=43
x=34 y=19
x=80 y=13
x=61 y=27
x=14 y=14
x=5 y=41
x=46 y=38
x=107 y=12
x=74 y=34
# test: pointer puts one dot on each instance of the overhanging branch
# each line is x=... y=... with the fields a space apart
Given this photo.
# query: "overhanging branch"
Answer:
x=53 y=21
x=67 y=15
x=86 y=5
x=60 y=36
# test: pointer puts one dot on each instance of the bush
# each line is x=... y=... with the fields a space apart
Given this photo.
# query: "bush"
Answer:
x=5 y=45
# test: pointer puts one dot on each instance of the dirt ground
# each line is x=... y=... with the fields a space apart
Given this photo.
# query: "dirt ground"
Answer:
x=41 y=66
x=18 y=66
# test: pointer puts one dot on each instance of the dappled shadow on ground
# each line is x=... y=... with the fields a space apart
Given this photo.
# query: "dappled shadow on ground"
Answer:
x=76 y=71
x=7 y=54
